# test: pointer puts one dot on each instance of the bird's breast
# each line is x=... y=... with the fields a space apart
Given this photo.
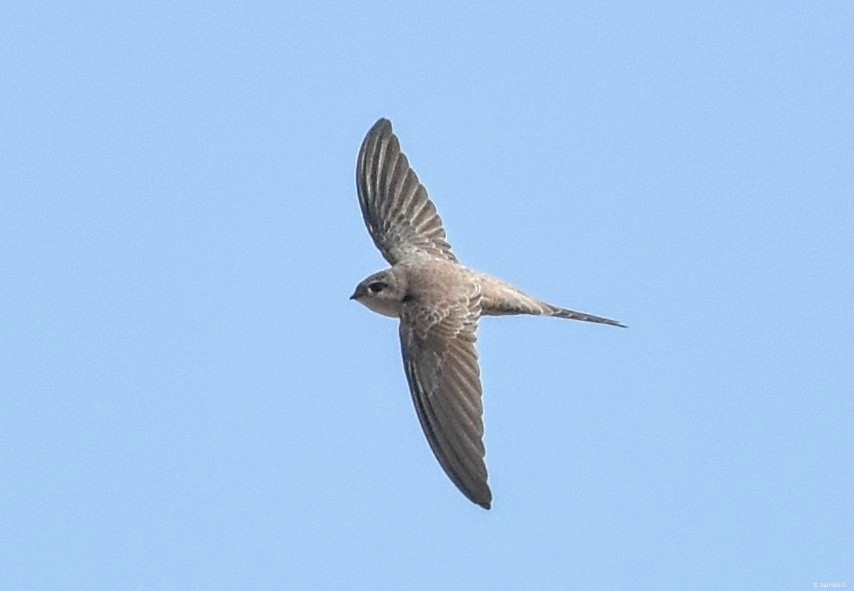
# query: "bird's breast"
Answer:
x=388 y=308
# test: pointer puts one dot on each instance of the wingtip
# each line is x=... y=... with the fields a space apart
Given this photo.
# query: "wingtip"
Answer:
x=381 y=122
x=483 y=500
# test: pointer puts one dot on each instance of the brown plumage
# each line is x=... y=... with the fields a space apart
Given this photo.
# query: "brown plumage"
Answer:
x=439 y=302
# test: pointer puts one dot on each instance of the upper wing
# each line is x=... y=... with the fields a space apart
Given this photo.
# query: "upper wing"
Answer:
x=444 y=378
x=400 y=217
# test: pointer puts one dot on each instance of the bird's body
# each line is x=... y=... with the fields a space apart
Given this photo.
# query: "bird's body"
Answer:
x=436 y=279
x=439 y=302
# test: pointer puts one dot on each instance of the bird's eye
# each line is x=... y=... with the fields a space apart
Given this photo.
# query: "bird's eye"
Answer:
x=377 y=286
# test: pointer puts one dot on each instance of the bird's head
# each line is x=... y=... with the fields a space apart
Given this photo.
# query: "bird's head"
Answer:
x=381 y=292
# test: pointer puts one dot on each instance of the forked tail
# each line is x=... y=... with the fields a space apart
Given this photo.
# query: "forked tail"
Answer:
x=572 y=315
x=502 y=299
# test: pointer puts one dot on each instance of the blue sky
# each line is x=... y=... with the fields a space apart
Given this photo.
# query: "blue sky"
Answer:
x=188 y=400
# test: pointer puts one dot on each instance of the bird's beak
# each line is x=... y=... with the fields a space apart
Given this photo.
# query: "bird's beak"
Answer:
x=357 y=293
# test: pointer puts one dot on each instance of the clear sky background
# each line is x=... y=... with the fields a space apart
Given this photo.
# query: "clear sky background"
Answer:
x=188 y=400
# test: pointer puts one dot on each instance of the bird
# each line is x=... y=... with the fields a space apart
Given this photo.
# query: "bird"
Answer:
x=439 y=303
